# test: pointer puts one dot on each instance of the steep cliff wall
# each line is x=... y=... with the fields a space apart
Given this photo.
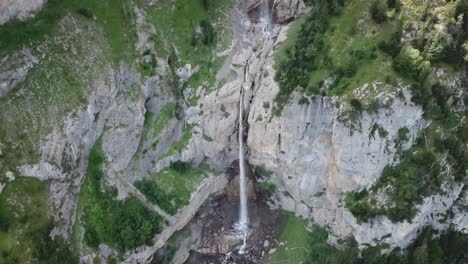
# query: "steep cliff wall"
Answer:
x=169 y=99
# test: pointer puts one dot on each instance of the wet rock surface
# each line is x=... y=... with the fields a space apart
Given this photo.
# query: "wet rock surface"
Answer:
x=219 y=241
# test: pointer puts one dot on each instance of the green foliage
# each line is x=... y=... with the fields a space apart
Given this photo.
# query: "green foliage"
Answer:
x=356 y=105
x=181 y=144
x=180 y=166
x=171 y=188
x=337 y=40
x=208 y=33
x=411 y=61
x=157 y=196
x=113 y=15
x=85 y=12
x=51 y=251
x=262 y=172
x=207 y=138
x=293 y=231
x=267 y=186
x=25 y=226
x=419 y=174
x=197 y=34
x=123 y=224
x=392 y=46
x=294 y=72
x=378 y=11
x=403 y=134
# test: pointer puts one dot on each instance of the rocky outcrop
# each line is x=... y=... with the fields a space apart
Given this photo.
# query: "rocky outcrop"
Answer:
x=109 y=109
x=18 y=9
x=14 y=68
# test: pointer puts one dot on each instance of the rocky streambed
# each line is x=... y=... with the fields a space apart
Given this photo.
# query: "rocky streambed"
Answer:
x=212 y=237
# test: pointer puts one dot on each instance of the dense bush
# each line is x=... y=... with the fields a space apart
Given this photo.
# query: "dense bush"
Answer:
x=393 y=46
x=180 y=166
x=85 y=12
x=208 y=36
x=378 y=11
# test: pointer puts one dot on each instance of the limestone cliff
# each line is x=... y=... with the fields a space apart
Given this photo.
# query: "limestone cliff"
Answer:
x=315 y=154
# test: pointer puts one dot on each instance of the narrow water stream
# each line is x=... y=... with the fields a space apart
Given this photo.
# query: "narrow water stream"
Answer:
x=243 y=225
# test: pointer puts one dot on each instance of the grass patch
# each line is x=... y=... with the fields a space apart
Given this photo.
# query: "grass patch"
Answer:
x=302 y=245
x=172 y=187
x=115 y=17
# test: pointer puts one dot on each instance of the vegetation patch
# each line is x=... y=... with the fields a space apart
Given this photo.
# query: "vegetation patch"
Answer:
x=295 y=236
x=262 y=172
x=171 y=188
x=59 y=84
x=25 y=226
x=197 y=33
x=181 y=144
x=121 y=224
x=155 y=125
x=337 y=39
x=114 y=16
x=310 y=246
x=435 y=158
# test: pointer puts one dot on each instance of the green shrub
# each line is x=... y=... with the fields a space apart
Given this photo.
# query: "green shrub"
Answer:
x=208 y=33
x=180 y=166
x=267 y=186
x=356 y=105
x=392 y=46
x=403 y=134
x=85 y=12
x=262 y=172
x=378 y=11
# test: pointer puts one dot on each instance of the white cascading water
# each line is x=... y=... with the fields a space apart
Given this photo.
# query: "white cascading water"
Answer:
x=243 y=212
x=243 y=225
x=265 y=18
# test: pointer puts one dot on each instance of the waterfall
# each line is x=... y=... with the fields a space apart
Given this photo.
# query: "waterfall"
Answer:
x=265 y=18
x=242 y=226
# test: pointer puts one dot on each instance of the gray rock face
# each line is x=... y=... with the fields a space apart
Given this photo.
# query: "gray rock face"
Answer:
x=315 y=157
x=109 y=108
x=20 y=9
x=14 y=68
